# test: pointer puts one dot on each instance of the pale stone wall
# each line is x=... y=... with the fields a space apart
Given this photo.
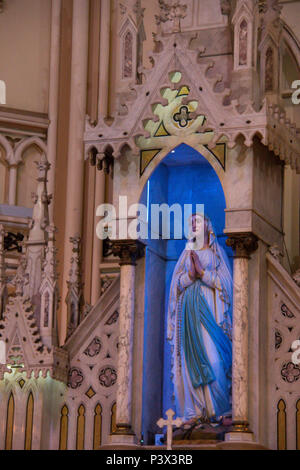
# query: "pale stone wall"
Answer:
x=291 y=219
x=25 y=53
x=27 y=174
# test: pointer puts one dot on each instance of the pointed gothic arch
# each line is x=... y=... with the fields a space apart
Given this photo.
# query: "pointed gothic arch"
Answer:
x=10 y=416
x=177 y=178
x=29 y=422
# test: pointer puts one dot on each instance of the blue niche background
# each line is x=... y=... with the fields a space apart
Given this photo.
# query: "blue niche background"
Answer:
x=184 y=177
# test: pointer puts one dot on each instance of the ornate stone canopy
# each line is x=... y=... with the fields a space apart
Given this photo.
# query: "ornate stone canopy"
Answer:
x=223 y=119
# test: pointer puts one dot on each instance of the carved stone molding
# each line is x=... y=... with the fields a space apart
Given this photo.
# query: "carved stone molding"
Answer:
x=129 y=251
x=274 y=250
x=12 y=242
x=243 y=244
x=296 y=277
x=175 y=13
x=225 y=7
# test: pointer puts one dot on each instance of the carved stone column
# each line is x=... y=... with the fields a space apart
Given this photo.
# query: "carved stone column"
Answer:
x=129 y=251
x=243 y=245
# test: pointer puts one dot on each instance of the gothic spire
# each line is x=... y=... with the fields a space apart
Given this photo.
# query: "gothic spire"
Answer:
x=49 y=292
x=38 y=236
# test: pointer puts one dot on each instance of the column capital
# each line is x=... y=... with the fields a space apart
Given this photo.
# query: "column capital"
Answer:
x=243 y=244
x=129 y=251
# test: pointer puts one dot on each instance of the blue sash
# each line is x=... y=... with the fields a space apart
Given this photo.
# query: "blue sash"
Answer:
x=196 y=312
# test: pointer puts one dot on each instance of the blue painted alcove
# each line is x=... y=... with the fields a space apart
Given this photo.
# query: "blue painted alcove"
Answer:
x=184 y=177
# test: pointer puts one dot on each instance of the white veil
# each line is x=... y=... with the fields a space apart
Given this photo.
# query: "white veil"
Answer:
x=224 y=274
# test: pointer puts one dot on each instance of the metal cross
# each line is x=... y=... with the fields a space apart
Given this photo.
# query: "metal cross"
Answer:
x=169 y=423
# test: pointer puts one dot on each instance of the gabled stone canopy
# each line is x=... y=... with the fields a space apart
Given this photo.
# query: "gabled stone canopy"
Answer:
x=225 y=118
x=24 y=348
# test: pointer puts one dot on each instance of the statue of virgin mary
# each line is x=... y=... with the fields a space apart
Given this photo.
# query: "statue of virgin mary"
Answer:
x=199 y=325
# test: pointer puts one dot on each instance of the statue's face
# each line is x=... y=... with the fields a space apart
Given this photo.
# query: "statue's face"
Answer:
x=198 y=224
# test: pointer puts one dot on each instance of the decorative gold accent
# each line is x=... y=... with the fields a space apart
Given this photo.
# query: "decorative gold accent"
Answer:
x=113 y=422
x=161 y=131
x=90 y=392
x=21 y=383
x=80 y=428
x=281 y=425
x=146 y=157
x=124 y=429
x=29 y=422
x=298 y=425
x=10 y=423
x=240 y=426
x=184 y=91
x=219 y=151
x=97 y=426
x=63 y=438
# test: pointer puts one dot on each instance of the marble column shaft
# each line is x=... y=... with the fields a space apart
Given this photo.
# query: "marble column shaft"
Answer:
x=53 y=94
x=75 y=171
x=128 y=251
x=240 y=341
x=124 y=392
x=243 y=245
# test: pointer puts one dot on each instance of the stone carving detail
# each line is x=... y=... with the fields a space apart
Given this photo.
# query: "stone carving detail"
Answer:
x=243 y=43
x=275 y=252
x=3 y=280
x=49 y=290
x=113 y=318
x=38 y=237
x=290 y=372
x=106 y=281
x=93 y=348
x=75 y=378
x=269 y=70
x=243 y=244
x=225 y=7
x=128 y=55
x=86 y=310
x=13 y=241
x=296 y=277
x=74 y=299
x=20 y=279
x=129 y=251
x=183 y=117
x=278 y=339
x=271 y=11
x=141 y=35
x=175 y=13
x=123 y=9
x=107 y=377
x=286 y=311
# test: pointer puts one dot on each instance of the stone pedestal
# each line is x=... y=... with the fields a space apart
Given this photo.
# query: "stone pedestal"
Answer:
x=128 y=251
x=243 y=245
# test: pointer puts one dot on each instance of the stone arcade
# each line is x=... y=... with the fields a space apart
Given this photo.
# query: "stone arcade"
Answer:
x=162 y=102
